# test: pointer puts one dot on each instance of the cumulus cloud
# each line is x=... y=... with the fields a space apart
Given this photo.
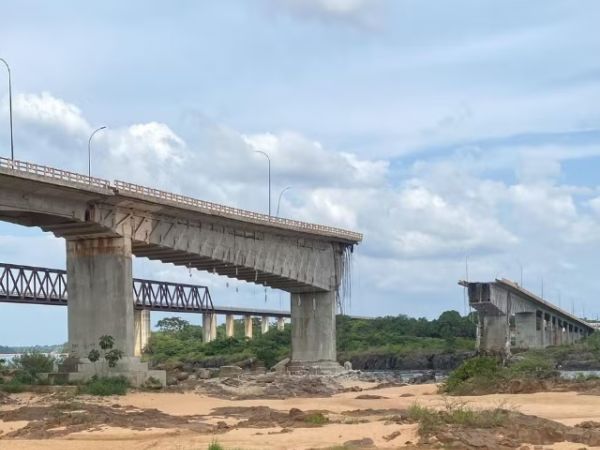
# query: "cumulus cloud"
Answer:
x=45 y=110
x=418 y=227
x=306 y=161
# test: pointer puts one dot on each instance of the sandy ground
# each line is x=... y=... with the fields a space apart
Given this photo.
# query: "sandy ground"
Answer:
x=566 y=407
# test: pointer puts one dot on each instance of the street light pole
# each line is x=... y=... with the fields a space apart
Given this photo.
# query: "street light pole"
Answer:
x=279 y=199
x=10 y=114
x=90 y=152
x=269 y=159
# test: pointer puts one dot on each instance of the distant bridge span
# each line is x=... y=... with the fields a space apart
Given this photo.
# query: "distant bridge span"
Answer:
x=44 y=286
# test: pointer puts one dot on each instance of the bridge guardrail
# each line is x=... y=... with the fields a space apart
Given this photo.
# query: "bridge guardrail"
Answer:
x=84 y=180
x=216 y=207
x=51 y=172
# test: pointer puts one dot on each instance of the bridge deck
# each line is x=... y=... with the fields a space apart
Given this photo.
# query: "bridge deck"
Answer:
x=83 y=183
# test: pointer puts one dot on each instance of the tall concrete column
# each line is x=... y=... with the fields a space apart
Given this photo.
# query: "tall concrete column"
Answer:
x=561 y=332
x=229 y=325
x=526 y=332
x=99 y=283
x=494 y=334
x=280 y=323
x=209 y=328
x=213 y=327
x=248 y=326
x=141 y=323
x=313 y=331
x=264 y=324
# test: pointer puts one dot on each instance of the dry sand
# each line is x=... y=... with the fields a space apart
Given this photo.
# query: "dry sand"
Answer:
x=566 y=407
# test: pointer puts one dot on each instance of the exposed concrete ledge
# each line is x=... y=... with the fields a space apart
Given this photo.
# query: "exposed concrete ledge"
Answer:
x=132 y=368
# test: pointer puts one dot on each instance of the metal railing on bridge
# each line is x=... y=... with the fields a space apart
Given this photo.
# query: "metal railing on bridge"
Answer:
x=43 y=286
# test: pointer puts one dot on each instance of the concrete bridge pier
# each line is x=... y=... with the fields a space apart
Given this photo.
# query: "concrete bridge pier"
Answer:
x=248 y=326
x=526 y=334
x=313 y=332
x=493 y=333
x=264 y=324
x=141 y=322
x=229 y=325
x=209 y=327
x=100 y=303
x=100 y=297
x=280 y=323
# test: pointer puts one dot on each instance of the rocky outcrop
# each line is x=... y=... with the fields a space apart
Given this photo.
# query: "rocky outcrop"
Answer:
x=419 y=361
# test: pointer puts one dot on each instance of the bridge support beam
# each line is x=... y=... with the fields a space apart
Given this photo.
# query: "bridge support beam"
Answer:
x=209 y=327
x=229 y=325
x=141 y=320
x=280 y=323
x=248 y=326
x=264 y=324
x=100 y=297
x=313 y=332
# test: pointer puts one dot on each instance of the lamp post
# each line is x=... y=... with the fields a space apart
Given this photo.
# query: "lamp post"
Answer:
x=279 y=199
x=268 y=159
x=10 y=113
x=90 y=152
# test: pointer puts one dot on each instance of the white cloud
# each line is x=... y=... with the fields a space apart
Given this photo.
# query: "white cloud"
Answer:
x=45 y=110
x=418 y=229
x=306 y=162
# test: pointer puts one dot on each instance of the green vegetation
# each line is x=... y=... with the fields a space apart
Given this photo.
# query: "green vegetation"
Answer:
x=12 y=387
x=456 y=413
x=316 y=419
x=179 y=341
x=111 y=355
x=105 y=386
x=358 y=334
x=486 y=374
x=24 y=370
x=214 y=445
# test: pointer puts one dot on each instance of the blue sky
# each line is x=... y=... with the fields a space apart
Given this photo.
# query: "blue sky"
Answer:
x=438 y=129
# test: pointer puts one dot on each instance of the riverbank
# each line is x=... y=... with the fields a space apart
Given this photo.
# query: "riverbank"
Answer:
x=365 y=412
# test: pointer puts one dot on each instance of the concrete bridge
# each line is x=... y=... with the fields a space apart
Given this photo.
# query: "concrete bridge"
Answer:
x=105 y=223
x=511 y=317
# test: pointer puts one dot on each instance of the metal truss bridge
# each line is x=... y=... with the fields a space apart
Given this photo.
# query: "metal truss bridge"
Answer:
x=43 y=286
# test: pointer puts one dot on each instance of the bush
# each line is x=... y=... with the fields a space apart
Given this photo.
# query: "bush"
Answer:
x=316 y=419
x=214 y=445
x=430 y=420
x=30 y=365
x=481 y=370
x=106 y=386
x=12 y=387
x=532 y=365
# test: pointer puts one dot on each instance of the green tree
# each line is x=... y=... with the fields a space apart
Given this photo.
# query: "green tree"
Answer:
x=172 y=325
